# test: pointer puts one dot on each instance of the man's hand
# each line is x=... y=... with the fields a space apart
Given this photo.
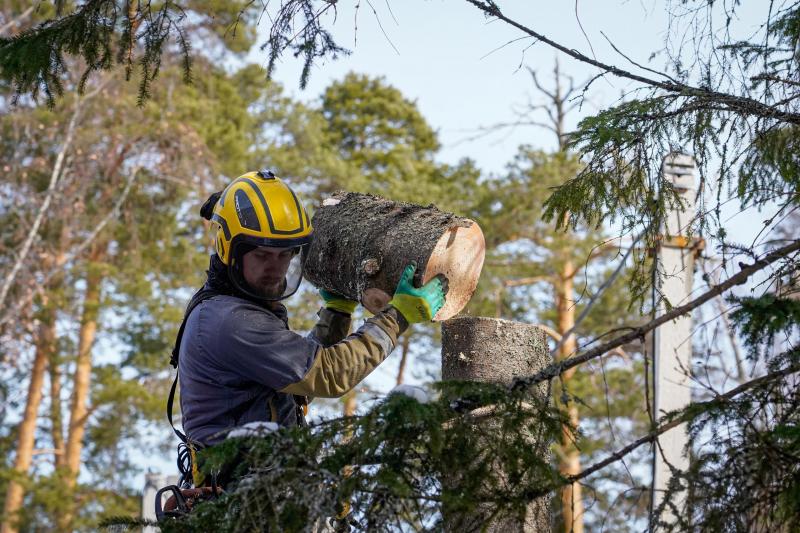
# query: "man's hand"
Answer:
x=418 y=304
x=337 y=302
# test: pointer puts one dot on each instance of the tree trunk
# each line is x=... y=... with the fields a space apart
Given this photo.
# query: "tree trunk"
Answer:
x=570 y=461
x=56 y=421
x=80 y=391
x=45 y=346
x=350 y=402
x=54 y=365
x=496 y=351
x=405 y=345
x=362 y=243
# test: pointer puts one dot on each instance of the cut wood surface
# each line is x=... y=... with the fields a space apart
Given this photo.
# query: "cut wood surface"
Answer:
x=363 y=242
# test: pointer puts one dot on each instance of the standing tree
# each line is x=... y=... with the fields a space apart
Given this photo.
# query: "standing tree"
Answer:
x=553 y=277
x=734 y=107
x=383 y=137
x=122 y=226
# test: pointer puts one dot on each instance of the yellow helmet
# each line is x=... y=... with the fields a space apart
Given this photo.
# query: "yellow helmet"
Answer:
x=258 y=209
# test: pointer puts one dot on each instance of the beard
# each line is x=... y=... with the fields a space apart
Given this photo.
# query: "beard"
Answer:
x=270 y=289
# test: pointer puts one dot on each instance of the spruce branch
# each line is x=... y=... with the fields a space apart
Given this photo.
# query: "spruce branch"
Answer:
x=33 y=60
x=312 y=41
x=739 y=278
x=674 y=419
x=102 y=33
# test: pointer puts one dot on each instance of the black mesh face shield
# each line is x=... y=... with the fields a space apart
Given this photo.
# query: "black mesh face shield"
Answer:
x=268 y=273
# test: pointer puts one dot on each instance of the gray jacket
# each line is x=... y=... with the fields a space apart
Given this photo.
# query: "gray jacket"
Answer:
x=240 y=363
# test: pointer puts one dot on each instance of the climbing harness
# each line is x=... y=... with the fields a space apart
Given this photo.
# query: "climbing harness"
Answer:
x=185 y=494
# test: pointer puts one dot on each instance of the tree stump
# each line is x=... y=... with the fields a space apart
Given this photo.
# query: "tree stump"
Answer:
x=496 y=351
x=363 y=242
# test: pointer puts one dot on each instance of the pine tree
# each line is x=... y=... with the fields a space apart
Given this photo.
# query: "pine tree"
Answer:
x=550 y=276
x=733 y=105
x=133 y=180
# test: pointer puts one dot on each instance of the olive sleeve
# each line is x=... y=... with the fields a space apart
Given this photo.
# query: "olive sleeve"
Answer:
x=338 y=368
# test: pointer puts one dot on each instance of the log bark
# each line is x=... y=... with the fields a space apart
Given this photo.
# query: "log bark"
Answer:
x=496 y=351
x=363 y=242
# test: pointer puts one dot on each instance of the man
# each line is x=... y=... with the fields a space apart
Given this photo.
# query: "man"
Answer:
x=238 y=361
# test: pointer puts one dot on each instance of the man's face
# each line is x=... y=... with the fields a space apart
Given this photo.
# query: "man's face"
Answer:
x=264 y=270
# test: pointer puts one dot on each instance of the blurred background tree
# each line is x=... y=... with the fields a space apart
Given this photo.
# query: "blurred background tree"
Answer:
x=101 y=244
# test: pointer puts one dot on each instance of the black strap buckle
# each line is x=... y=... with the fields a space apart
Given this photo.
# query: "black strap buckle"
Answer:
x=181 y=509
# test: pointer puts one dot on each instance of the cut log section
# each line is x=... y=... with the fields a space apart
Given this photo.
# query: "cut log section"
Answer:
x=363 y=242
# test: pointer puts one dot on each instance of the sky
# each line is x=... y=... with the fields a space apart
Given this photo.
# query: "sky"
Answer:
x=466 y=72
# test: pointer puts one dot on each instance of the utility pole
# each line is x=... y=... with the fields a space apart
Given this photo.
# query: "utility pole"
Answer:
x=153 y=482
x=672 y=342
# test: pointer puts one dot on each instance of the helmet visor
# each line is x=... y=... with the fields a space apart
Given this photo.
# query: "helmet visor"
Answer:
x=267 y=272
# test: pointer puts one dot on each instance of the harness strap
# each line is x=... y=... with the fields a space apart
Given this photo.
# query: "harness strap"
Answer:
x=170 y=402
x=200 y=296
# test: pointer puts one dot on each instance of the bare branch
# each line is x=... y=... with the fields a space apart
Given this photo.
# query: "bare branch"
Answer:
x=16 y=21
x=67 y=258
x=737 y=352
x=766 y=77
x=552 y=333
x=557 y=369
x=526 y=281
x=378 y=20
x=596 y=296
x=684 y=417
x=539 y=86
x=731 y=102
x=51 y=188
x=657 y=73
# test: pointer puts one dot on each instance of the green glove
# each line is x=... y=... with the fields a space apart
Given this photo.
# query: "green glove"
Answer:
x=337 y=302
x=418 y=305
